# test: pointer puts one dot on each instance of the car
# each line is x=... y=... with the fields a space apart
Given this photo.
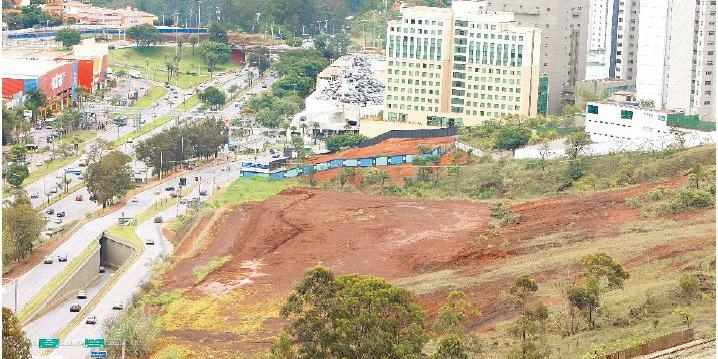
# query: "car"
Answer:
x=53 y=190
x=39 y=164
x=57 y=221
x=78 y=197
x=34 y=195
x=158 y=219
x=75 y=307
x=81 y=294
x=174 y=194
x=48 y=260
x=264 y=86
x=130 y=140
x=59 y=175
x=81 y=176
x=92 y=320
x=183 y=201
x=117 y=306
x=62 y=257
x=150 y=241
x=134 y=200
x=61 y=214
x=203 y=192
x=169 y=188
x=102 y=269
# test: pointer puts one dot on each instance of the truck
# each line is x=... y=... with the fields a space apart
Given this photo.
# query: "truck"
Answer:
x=134 y=74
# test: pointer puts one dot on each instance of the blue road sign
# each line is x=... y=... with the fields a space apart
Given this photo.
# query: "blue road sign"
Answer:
x=98 y=355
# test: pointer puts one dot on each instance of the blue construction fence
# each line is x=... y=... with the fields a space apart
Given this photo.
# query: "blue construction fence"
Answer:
x=378 y=161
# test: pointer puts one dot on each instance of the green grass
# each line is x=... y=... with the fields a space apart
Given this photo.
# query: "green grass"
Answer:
x=188 y=104
x=151 y=62
x=200 y=273
x=57 y=198
x=154 y=94
x=43 y=295
x=251 y=189
x=143 y=130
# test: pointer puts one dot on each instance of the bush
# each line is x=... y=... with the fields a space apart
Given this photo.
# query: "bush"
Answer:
x=338 y=142
x=136 y=329
x=685 y=200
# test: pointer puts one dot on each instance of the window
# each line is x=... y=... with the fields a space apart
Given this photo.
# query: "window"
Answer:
x=592 y=109
x=626 y=114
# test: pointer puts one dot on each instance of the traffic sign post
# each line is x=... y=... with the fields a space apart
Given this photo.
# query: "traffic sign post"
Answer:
x=49 y=343
x=95 y=343
x=101 y=354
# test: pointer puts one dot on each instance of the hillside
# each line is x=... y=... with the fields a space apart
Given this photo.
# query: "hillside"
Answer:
x=238 y=261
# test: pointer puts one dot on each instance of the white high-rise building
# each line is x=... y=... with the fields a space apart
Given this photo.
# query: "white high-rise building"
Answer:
x=676 y=55
x=600 y=40
x=464 y=65
x=614 y=40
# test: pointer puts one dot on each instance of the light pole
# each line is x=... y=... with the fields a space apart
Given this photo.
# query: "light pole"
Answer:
x=295 y=89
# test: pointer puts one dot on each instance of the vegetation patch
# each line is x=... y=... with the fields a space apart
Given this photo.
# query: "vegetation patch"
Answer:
x=143 y=130
x=200 y=273
x=149 y=99
x=251 y=189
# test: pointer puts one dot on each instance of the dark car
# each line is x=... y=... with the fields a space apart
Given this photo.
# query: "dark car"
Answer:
x=102 y=269
x=62 y=258
x=50 y=211
x=169 y=188
x=82 y=295
x=150 y=241
x=92 y=320
x=117 y=306
x=75 y=307
x=203 y=192
x=158 y=219
x=61 y=214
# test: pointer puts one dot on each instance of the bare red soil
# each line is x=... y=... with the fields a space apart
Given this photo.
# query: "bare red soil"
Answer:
x=390 y=147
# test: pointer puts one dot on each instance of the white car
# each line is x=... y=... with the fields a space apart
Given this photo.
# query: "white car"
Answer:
x=117 y=306
x=134 y=200
x=57 y=221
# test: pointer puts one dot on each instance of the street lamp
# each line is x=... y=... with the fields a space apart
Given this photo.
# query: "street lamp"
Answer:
x=295 y=89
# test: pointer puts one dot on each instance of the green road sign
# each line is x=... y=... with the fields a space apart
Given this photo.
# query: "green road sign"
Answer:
x=95 y=343
x=50 y=343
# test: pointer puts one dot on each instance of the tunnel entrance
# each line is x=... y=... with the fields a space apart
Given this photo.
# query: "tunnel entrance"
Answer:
x=113 y=252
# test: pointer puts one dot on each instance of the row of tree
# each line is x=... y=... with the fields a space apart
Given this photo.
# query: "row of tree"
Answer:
x=173 y=146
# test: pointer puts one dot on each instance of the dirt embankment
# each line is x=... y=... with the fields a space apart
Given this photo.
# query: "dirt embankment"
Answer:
x=413 y=241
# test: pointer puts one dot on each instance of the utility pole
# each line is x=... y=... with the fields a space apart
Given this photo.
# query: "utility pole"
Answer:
x=123 y=349
x=16 y=296
x=160 y=165
x=199 y=14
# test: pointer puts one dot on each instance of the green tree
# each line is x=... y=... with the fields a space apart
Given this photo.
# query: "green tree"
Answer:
x=332 y=46
x=70 y=119
x=353 y=316
x=575 y=143
x=688 y=287
x=68 y=37
x=144 y=34
x=346 y=175
x=35 y=99
x=530 y=325
x=15 y=344
x=214 y=53
x=512 y=137
x=374 y=176
x=293 y=84
x=584 y=299
x=193 y=40
x=293 y=41
x=451 y=347
x=259 y=57
x=21 y=226
x=339 y=142
x=18 y=153
x=16 y=174
x=698 y=173
x=212 y=97
x=686 y=315
x=110 y=177
x=451 y=317
x=217 y=33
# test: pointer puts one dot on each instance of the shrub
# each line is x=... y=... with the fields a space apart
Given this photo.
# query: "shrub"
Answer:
x=685 y=200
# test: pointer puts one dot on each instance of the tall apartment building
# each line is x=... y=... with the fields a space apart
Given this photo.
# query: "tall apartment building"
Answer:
x=565 y=34
x=463 y=65
x=614 y=40
x=676 y=55
x=600 y=40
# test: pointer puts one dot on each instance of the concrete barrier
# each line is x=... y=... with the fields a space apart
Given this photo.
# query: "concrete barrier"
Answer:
x=114 y=252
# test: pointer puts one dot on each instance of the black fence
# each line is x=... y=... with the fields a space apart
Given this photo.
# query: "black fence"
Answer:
x=438 y=132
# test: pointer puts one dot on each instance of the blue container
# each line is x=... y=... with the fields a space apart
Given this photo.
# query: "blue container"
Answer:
x=336 y=163
x=366 y=162
x=397 y=160
x=381 y=161
x=351 y=163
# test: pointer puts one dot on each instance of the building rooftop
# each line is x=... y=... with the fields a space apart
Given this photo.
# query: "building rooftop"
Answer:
x=24 y=68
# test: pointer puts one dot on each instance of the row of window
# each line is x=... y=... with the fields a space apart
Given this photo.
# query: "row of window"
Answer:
x=415 y=48
x=409 y=98
x=411 y=90
x=412 y=107
x=412 y=30
x=422 y=65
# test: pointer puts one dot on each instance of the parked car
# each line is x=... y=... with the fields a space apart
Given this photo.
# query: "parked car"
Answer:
x=134 y=200
x=158 y=219
x=60 y=214
x=150 y=241
x=82 y=295
x=34 y=195
x=49 y=211
x=57 y=221
x=53 y=190
x=62 y=258
x=203 y=192
x=75 y=307
x=183 y=201
x=102 y=269
x=117 y=306
x=169 y=188
x=174 y=194
x=48 y=260
x=78 y=197
x=92 y=320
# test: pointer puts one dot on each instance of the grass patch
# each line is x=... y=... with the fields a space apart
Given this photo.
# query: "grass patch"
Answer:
x=200 y=273
x=173 y=351
x=143 y=130
x=151 y=62
x=154 y=94
x=251 y=189
x=188 y=104
x=43 y=295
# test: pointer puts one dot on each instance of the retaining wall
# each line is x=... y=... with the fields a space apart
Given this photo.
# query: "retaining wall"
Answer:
x=113 y=252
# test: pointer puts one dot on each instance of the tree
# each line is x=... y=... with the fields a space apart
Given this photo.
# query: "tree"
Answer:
x=584 y=299
x=35 y=99
x=136 y=329
x=293 y=41
x=18 y=152
x=193 y=40
x=523 y=289
x=332 y=46
x=544 y=141
x=688 y=287
x=512 y=137
x=451 y=347
x=686 y=315
x=353 y=316
x=214 y=53
x=529 y=327
x=110 y=177
x=575 y=143
x=16 y=174
x=15 y=344
x=217 y=33
x=347 y=174
x=212 y=97
x=69 y=119
x=293 y=84
x=68 y=37
x=338 y=142
x=451 y=318
x=698 y=173
x=374 y=176
x=21 y=226
x=144 y=34
x=259 y=57
x=180 y=42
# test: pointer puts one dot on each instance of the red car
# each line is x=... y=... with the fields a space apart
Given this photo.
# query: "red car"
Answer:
x=78 y=198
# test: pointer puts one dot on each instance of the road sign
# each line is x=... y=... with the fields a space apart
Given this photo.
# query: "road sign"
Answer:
x=98 y=355
x=50 y=343
x=95 y=343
